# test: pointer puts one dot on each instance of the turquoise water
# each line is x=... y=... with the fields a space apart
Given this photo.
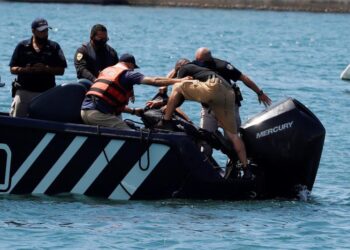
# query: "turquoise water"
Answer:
x=286 y=53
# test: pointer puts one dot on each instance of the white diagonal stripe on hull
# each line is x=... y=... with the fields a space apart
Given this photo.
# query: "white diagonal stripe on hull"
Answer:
x=59 y=165
x=7 y=166
x=119 y=194
x=97 y=167
x=22 y=170
x=133 y=180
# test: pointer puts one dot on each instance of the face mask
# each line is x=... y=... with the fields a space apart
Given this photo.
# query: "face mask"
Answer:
x=100 y=43
x=41 y=40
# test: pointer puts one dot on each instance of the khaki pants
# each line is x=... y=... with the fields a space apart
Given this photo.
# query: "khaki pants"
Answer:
x=21 y=101
x=209 y=122
x=95 y=117
x=218 y=95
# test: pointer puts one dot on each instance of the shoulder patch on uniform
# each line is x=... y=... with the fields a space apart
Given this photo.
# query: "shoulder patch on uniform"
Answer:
x=79 y=56
x=229 y=66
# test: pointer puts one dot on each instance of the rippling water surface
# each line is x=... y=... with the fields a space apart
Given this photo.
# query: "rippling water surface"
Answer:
x=286 y=53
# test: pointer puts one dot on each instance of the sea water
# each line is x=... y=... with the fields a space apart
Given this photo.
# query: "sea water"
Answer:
x=295 y=54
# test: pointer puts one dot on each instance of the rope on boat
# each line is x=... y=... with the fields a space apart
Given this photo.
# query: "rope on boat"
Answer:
x=146 y=140
x=142 y=139
x=108 y=161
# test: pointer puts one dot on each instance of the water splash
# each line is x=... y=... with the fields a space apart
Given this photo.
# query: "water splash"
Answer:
x=302 y=192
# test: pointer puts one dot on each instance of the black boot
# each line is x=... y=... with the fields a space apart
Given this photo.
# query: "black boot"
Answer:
x=248 y=174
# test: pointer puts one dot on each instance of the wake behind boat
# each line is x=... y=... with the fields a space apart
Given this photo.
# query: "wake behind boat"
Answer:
x=52 y=153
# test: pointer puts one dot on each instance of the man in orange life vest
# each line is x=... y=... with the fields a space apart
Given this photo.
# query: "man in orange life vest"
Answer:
x=109 y=95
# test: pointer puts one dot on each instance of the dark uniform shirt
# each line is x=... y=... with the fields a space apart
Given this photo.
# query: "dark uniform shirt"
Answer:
x=89 y=62
x=197 y=72
x=127 y=80
x=51 y=54
x=227 y=71
x=223 y=68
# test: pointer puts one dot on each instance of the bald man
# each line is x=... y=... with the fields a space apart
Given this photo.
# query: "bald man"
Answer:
x=231 y=74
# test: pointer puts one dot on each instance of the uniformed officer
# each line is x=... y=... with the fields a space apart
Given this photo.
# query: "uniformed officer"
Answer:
x=35 y=61
x=230 y=74
x=94 y=56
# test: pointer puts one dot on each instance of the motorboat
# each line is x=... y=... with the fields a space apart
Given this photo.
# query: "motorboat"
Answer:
x=52 y=152
x=345 y=75
x=2 y=84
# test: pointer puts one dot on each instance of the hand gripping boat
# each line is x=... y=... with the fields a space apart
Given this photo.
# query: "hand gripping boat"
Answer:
x=51 y=152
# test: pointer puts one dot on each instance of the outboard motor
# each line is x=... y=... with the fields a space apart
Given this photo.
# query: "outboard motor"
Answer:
x=286 y=141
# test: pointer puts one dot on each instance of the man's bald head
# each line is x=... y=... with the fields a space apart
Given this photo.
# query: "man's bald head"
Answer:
x=203 y=54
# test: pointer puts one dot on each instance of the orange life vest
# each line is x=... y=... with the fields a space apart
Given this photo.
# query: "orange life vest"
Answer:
x=108 y=88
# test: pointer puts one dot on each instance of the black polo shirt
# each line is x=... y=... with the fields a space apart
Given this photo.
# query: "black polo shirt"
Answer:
x=197 y=72
x=51 y=54
x=223 y=68
x=89 y=62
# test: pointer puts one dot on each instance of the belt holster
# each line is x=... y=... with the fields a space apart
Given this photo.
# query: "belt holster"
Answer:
x=238 y=94
x=15 y=86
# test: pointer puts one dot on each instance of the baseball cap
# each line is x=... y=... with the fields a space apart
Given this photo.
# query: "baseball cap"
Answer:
x=128 y=58
x=40 y=24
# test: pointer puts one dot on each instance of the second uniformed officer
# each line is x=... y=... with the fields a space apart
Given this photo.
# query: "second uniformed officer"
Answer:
x=36 y=62
x=94 y=56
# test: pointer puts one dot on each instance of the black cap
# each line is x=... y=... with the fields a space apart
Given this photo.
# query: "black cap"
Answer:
x=128 y=58
x=40 y=24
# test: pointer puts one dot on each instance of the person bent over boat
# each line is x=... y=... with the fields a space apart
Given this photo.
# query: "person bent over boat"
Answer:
x=92 y=57
x=231 y=74
x=35 y=61
x=109 y=95
x=160 y=100
x=214 y=92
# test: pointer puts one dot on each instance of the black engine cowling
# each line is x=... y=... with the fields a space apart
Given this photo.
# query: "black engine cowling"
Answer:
x=286 y=140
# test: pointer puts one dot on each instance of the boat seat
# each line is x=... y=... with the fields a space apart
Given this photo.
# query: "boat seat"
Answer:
x=61 y=103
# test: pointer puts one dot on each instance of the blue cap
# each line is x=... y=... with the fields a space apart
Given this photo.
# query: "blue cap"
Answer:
x=128 y=58
x=40 y=24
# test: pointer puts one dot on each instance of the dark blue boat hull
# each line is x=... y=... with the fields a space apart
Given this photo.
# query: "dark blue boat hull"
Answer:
x=49 y=157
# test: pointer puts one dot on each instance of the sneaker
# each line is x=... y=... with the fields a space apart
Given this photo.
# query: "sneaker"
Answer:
x=166 y=124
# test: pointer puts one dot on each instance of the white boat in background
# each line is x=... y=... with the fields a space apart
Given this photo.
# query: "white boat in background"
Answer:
x=1 y=83
x=345 y=75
